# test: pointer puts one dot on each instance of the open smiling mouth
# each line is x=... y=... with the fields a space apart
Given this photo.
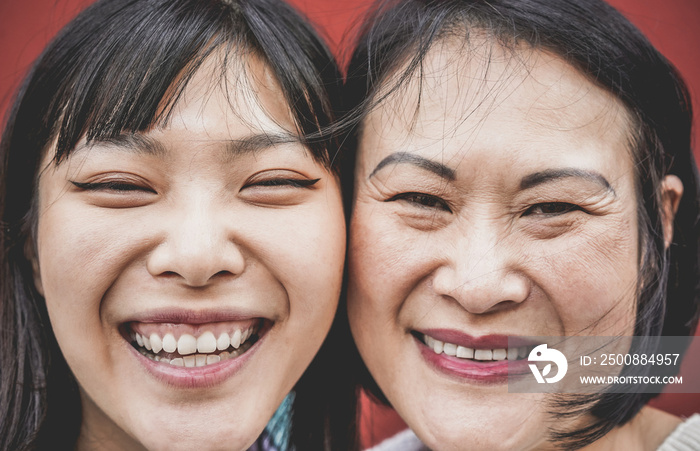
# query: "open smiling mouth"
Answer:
x=194 y=346
x=474 y=354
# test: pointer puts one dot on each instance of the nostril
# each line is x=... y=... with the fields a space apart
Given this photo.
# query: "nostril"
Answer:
x=222 y=275
x=197 y=281
x=195 y=265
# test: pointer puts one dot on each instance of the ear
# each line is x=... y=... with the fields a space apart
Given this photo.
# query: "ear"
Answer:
x=30 y=254
x=671 y=193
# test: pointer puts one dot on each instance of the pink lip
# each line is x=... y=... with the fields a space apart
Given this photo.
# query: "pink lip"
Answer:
x=482 y=342
x=482 y=372
x=196 y=377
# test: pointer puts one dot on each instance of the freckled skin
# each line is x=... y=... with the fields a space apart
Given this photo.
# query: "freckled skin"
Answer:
x=488 y=257
x=204 y=236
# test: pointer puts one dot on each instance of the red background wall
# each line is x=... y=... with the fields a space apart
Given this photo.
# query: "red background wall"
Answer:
x=671 y=25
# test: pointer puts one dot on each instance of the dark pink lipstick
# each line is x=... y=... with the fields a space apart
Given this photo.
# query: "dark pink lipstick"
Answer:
x=474 y=368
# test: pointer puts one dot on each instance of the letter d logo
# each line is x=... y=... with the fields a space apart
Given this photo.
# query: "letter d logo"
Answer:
x=542 y=354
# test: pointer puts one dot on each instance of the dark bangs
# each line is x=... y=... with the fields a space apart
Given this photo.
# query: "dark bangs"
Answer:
x=114 y=67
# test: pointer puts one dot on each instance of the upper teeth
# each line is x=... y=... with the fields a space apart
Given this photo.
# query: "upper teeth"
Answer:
x=204 y=346
x=451 y=349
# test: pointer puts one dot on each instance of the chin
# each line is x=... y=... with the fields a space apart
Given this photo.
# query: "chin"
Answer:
x=492 y=423
x=217 y=431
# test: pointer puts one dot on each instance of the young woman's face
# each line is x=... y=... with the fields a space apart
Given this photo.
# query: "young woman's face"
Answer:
x=505 y=206
x=191 y=272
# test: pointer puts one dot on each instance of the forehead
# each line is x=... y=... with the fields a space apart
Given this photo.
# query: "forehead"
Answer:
x=479 y=95
x=230 y=91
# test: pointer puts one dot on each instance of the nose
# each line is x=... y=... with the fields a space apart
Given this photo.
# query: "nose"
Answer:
x=482 y=272
x=197 y=247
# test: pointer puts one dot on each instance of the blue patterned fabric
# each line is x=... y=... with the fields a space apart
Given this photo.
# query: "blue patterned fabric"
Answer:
x=276 y=435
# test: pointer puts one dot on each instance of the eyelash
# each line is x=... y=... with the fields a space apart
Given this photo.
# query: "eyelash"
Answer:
x=119 y=186
x=295 y=183
x=124 y=187
x=561 y=207
x=422 y=200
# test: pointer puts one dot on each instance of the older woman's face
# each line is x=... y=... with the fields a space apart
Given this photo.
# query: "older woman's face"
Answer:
x=504 y=207
x=191 y=272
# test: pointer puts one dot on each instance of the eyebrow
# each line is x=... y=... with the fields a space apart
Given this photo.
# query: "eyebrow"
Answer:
x=418 y=161
x=538 y=178
x=260 y=141
x=129 y=141
x=147 y=145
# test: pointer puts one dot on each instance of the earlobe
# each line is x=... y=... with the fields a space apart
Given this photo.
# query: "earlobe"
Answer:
x=30 y=255
x=671 y=193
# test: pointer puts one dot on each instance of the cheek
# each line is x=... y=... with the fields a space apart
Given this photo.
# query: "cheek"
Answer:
x=386 y=264
x=79 y=261
x=377 y=253
x=79 y=257
x=82 y=259
x=306 y=253
x=591 y=279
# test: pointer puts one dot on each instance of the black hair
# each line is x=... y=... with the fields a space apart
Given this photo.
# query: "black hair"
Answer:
x=600 y=43
x=108 y=72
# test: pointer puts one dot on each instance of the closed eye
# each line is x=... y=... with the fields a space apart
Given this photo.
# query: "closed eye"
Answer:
x=114 y=185
x=294 y=183
x=552 y=209
x=421 y=200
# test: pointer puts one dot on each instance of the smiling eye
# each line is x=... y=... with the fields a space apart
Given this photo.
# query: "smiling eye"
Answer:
x=114 y=185
x=294 y=183
x=422 y=200
x=551 y=209
x=278 y=188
